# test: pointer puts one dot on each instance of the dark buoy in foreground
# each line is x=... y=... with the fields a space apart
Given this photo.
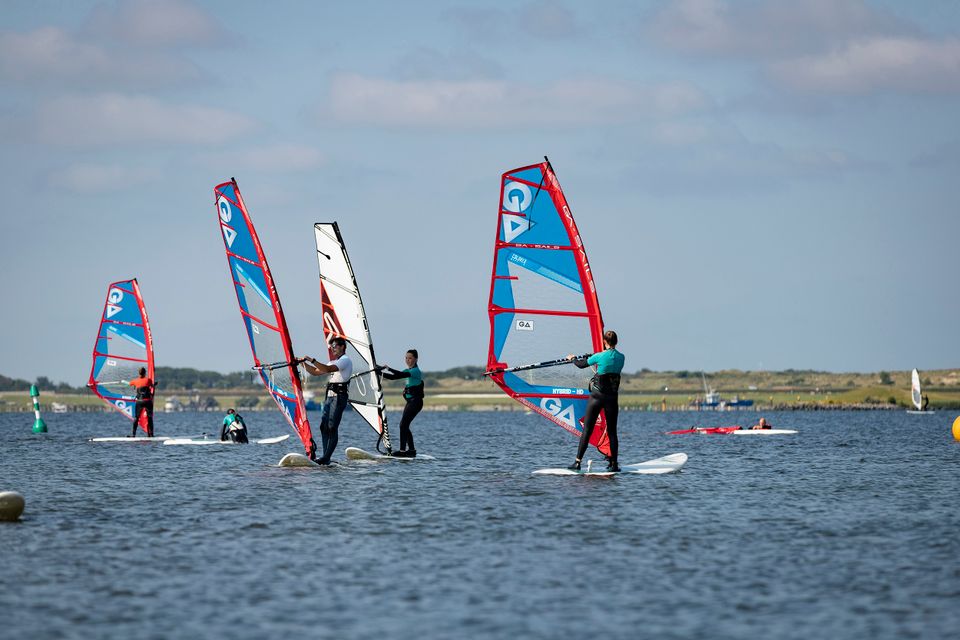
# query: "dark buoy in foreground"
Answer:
x=11 y=505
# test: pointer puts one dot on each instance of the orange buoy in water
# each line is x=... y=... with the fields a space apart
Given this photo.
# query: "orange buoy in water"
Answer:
x=956 y=429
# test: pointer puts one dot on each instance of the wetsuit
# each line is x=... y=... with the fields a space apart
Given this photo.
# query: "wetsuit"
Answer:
x=413 y=394
x=144 y=387
x=234 y=428
x=333 y=406
x=604 y=395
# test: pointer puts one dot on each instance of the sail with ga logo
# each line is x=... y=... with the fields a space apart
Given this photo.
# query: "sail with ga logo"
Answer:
x=344 y=317
x=260 y=309
x=543 y=302
x=124 y=344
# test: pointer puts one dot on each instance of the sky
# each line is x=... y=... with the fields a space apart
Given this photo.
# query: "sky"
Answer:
x=759 y=185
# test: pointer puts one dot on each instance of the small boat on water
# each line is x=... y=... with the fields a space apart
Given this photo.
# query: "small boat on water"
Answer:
x=712 y=399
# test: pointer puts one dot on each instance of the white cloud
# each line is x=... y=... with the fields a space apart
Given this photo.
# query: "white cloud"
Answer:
x=162 y=23
x=903 y=64
x=109 y=119
x=548 y=19
x=278 y=158
x=770 y=28
x=543 y=19
x=52 y=55
x=100 y=178
x=504 y=105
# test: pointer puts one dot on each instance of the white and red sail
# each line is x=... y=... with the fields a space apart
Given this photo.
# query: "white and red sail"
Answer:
x=344 y=317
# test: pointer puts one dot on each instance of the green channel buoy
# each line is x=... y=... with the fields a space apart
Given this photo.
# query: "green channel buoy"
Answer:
x=11 y=506
x=39 y=426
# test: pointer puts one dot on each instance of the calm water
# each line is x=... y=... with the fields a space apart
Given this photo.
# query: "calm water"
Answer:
x=848 y=530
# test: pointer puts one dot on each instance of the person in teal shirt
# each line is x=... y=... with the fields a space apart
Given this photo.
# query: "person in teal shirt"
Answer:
x=234 y=428
x=413 y=394
x=604 y=395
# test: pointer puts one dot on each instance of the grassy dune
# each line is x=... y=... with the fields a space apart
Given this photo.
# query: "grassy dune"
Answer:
x=653 y=390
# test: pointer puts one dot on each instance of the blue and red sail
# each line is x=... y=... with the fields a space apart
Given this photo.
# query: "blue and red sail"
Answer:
x=124 y=344
x=261 y=311
x=543 y=302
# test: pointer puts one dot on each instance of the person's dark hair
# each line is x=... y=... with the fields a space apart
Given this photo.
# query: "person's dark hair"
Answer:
x=338 y=340
x=230 y=411
x=143 y=371
x=610 y=337
x=414 y=353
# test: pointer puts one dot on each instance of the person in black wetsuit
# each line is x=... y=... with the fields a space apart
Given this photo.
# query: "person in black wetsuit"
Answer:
x=604 y=395
x=413 y=394
x=144 y=387
x=234 y=428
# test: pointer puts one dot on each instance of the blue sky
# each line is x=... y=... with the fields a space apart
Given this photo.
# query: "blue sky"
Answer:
x=758 y=184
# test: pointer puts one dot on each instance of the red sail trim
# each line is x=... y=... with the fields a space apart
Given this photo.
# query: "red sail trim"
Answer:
x=577 y=314
x=107 y=355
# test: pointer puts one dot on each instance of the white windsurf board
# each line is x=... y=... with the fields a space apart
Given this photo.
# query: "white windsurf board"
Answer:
x=355 y=453
x=763 y=432
x=131 y=439
x=666 y=464
x=211 y=441
x=300 y=461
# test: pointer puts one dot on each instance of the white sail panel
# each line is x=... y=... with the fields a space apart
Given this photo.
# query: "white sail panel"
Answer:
x=915 y=390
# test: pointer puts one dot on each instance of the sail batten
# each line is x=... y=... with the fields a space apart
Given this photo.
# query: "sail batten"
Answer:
x=261 y=311
x=542 y=301
x=124 y=344
x=344 y=317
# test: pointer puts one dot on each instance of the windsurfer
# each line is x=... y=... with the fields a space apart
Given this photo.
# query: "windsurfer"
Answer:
x=342 y=368
x=144 y=387
x=604 y=395
x=234 y=428
x=762 y=424
x=413 y=394
x=926 y=403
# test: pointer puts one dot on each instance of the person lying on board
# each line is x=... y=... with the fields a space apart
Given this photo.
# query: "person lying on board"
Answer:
x=604 y=395
x=341 y=367
x=144 y=387
x=234 y=428
x=763 y=424
x=413 y=394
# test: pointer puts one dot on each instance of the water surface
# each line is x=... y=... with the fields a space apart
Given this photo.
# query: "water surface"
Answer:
x=849 y=529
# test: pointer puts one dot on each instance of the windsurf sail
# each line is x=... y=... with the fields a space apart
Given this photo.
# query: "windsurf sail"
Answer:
x=543 y=302
x=261 y=311
x=344 y=317
x=915 y=390
x=124 y=345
